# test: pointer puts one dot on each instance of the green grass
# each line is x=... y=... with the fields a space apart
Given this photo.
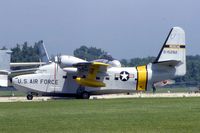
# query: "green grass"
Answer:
x=173 y=90
x=11 y=93
x=102 y=116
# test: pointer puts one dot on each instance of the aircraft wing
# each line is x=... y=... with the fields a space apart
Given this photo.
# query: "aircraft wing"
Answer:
x=22 y=72
x=91 y=74
x=24 y=64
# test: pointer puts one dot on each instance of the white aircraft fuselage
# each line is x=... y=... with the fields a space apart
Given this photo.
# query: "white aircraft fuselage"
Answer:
x=61 y=79
x=52 y=80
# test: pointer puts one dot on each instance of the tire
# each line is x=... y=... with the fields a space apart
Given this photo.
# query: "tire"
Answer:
x=29 y=97
x=85 y=95
x=79 y=92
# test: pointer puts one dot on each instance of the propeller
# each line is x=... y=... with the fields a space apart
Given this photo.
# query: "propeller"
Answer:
x=57 y=59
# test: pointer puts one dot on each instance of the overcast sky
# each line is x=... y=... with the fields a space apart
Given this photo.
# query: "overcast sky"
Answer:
x=124 y=28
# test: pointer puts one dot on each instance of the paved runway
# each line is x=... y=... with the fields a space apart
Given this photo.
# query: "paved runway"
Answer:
x=146 y=95
x=110 y=96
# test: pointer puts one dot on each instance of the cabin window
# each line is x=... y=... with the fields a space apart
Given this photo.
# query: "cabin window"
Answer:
x=107 y=78
x=83 y=76
x=98 y=78
x=74 y=77
x=65 y=77
x=116 y=78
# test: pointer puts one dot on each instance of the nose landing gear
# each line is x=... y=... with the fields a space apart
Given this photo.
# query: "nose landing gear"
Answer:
x=29 y=97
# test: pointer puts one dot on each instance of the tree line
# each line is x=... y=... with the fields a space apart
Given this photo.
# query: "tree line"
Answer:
x=28 y=53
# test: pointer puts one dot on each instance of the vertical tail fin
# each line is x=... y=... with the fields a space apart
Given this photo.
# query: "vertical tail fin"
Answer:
x=174 y=50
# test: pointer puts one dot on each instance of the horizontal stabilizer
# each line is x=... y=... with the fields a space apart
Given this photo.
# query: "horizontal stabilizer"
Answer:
x=170 y=63
x=25 y=64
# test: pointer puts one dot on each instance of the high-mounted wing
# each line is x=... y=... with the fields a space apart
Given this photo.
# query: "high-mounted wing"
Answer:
x=25 y=64
x=92 y=74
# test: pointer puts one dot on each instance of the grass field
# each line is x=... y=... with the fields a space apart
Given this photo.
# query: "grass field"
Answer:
x=11 y=93
x=102 y=116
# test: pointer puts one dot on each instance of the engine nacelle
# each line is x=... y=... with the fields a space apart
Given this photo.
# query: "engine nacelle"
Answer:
x=67 y=60
x=70 y=70
x=116 y=63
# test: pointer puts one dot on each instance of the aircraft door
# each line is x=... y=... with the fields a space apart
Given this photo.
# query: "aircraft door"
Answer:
x=70 y=85
x=55 y=83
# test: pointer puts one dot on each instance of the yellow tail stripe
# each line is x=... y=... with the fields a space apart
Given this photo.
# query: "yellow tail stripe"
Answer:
x=141 y=78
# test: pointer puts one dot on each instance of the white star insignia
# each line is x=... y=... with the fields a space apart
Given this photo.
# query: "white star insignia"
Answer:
x=124 y=76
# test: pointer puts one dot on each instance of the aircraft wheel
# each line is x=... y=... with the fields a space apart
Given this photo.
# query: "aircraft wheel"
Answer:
x=154 y=88
x=85 y=95
x=29 y=97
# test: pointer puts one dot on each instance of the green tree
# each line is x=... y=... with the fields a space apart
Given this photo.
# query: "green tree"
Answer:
x=137 y=61
x=25 y=53
x=91 y=53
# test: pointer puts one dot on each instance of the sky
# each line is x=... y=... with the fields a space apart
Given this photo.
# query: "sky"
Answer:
x=123 y=28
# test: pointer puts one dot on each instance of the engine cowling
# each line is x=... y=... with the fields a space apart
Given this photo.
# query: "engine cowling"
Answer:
x=67 y=60
x=116 y=63
x=70 y=70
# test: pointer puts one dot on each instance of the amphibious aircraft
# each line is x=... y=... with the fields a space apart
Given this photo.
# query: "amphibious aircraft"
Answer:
x=71 y=76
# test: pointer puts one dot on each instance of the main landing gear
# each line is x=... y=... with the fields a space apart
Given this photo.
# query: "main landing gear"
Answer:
x=81 y=93
x=154 y=88
x=85 y=95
